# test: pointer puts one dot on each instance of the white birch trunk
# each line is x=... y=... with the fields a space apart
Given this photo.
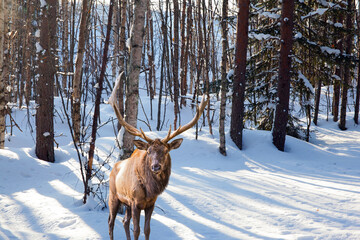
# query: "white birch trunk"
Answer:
x=132 y=93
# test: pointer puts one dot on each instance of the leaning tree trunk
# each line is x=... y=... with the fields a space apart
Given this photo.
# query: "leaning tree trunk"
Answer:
x=283 y=89
x=132 y=93
x=224 y=31
x=346 y=83
x=76 y=97
x=237 y=110
x=45 y=86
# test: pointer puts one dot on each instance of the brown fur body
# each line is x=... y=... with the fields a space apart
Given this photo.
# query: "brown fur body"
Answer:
x=135 y=184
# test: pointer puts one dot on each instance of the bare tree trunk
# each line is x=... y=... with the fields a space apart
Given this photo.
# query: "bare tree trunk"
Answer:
x=183 y=55
x=45 y=87
x=338 y=71
x=76 y=95
x=122 y=50
x=175 y=61
x=357 y=97
x=65 y=43
x=346 y=83
x=150 y=55
x=27 y=54
x=283 y=90
x=97 y=101
x=116 y=28
x=357 y=92
x=336 y=94
x=223 y=69
x=3 y=10
x=317 y=100
x=132 y=93
x=207 y=63
x=237 y=114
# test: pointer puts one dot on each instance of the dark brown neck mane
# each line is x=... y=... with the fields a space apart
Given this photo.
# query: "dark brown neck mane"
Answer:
x=154 y=184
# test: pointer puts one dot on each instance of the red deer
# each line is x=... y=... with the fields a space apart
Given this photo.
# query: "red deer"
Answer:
x=137 y=181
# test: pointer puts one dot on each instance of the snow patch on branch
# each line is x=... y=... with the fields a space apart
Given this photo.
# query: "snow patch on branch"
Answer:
x=261 y=36
x=306 y=82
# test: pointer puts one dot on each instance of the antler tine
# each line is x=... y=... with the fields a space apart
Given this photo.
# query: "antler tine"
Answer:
x=199 y=110
x=112 y=101
x=143 y=136
x=169 y=133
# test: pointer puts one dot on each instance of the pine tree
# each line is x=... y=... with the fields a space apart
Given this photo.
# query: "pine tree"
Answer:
x=283 y=89
x=237 y=110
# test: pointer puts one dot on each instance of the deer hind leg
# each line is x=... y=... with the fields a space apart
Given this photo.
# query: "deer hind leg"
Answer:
x=114 y=204
x=126 y=222
x=148 y=213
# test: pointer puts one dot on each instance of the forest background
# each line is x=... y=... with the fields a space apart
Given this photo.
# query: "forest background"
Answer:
x=74 y=51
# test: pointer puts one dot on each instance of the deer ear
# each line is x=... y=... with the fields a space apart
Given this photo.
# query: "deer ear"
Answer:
x=141 y=145
x=175 y=144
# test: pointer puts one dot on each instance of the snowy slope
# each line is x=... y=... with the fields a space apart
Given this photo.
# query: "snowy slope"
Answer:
x=310 y=191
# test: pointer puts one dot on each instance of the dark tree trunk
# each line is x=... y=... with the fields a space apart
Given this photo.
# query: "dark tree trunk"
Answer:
x=357 y=98
x=357 y=93
x=346 y=82
x=176 y=61
x=336 y=95
x=45 y=87
x=283 y=89
x=317 y=101
x=237 y=114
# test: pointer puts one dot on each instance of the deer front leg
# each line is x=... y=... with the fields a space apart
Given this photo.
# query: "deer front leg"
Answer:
x=136 y=220
x=126 y=222
x=148 y=213
x=113 y=209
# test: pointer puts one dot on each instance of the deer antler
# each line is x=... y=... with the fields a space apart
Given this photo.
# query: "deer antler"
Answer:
x=181 y=129
x=132 y=130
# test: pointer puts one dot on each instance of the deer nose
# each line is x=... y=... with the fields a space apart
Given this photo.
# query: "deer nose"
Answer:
x=156 y=167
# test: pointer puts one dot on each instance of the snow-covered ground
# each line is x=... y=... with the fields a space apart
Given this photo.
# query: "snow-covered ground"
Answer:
x=310 y=191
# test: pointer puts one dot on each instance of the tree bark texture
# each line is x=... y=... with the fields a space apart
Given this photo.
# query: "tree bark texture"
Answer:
x=2 y=77
x=223 y=69
x=175 y=61
x=27 y=54
x=283 y=89
x=65 y=43
x=336 y=94
x=317 y=101
x=346 y=82
x=237 y=115
x=76 y=95
x=184 y=52
x=132 y=93
x=45 y=87
x=357 y=91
